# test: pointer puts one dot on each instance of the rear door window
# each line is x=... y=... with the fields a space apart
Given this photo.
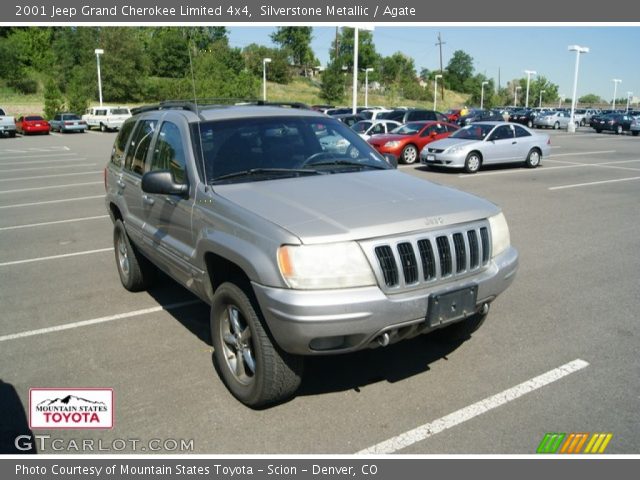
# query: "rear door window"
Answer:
x=168 y=153
x=139 y=146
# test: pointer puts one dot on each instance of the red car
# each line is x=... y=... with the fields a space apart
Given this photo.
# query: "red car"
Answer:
x=406 y=141
x=32 y=124
x=453 y=115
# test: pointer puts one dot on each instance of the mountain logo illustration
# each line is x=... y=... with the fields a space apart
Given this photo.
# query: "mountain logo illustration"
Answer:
x=69 y=400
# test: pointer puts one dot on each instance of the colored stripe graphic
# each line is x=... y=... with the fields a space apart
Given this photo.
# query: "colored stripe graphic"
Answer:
x=572 y=443
x=550 y=443
x=598 y=443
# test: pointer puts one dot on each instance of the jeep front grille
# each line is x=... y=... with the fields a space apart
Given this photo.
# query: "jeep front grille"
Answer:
x=430 y=257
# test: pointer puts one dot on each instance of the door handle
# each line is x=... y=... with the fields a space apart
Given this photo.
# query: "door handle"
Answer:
x=121 y=184
x=148 y=200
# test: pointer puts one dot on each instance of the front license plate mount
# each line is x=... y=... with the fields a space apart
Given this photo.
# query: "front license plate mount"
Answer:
x=451 y=306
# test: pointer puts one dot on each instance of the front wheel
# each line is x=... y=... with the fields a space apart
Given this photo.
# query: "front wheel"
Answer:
x=533 y=159
x=254 y=370
x=103 y=128
x=635 y=133
x=472 y=163
x=529 y=123
x=619 y=130
x=556 y=125
x=409 y=154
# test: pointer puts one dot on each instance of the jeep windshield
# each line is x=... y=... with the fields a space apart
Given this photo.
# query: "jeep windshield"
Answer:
x=267 y=148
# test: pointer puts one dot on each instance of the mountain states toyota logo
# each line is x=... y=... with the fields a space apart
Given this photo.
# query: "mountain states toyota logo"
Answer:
x=71 y=408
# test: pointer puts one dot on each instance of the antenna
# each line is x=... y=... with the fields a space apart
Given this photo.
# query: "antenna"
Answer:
x=195 y=101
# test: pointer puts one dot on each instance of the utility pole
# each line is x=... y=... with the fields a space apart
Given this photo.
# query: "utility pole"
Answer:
x=337 y=46
x=439 y=44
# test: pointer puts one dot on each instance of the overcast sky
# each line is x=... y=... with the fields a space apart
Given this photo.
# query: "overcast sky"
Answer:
x=615 y=51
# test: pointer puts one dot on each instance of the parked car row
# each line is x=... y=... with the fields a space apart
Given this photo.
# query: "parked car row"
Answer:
x=104 y=118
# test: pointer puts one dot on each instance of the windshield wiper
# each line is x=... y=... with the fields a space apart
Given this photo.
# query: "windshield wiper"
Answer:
x=350 y=163
x=295 y=172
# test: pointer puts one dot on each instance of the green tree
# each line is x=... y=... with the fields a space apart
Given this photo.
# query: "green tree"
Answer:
x=297 y=42
x=397 y=68
x=277 y=71
x=590 y=99
x=332 y=88
x=537 y=85
x=53 y=101
x=459 y=69
x=367 y=55
x=473 y=85
x=123 y=65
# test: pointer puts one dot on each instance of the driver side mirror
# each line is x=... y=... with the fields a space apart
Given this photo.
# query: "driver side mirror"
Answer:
x=161 y=182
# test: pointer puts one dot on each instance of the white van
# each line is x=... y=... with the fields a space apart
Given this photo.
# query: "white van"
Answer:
x=106 y=118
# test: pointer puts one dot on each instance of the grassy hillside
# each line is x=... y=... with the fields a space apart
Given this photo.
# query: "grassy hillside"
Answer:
x=300 y=90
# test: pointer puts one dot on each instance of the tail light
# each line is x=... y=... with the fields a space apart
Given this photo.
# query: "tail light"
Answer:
x=68 y=123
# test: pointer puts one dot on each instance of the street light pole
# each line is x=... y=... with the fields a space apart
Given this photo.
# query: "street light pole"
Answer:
x=628 y=100
x=435 y=92
x=561 y=99
x=578 y=49
x=529 y=73
x=264 y=78
x=515 y=95
x=540 y=103
x=482 y=94
x=366 y=86
x=98 y=52
x=615 y=81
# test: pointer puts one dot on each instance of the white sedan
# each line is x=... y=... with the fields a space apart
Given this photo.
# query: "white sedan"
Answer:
x=487 y=143
x=366 y=128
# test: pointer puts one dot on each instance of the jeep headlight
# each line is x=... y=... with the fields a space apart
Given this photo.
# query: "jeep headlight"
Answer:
x=500 y=239
x=336 y=265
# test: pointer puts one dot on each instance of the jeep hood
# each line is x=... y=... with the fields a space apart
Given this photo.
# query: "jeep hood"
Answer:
x=356 y=206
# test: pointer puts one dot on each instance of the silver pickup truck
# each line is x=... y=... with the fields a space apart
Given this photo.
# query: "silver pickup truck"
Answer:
x=7 y=125
x=299 y=247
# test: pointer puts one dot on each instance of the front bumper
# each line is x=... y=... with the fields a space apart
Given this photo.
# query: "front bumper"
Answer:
x=339 y=321
x=451 y=160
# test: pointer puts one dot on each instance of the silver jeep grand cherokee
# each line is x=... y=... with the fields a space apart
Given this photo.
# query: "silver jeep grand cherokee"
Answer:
x=301 y=237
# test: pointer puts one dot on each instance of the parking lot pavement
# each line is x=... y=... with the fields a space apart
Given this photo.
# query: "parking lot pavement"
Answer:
x=67 y=322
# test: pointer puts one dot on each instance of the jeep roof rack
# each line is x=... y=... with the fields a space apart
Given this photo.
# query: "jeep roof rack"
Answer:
x=210 y=103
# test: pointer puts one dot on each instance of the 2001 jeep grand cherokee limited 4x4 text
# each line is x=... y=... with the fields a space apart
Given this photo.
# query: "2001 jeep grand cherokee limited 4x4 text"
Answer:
x=300 y=236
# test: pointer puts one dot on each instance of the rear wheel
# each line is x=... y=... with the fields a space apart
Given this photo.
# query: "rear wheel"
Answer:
x=409 y=154
x=635 y=133
x=472 y=162
x=533 y=159
x=618 y=129
x=103 y=128
x=254 y=370
x=598 y=130
x=135 y=271
x=529 y=123
x=556 y=125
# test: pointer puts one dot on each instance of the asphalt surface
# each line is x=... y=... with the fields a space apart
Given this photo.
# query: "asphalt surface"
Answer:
x=575 y=221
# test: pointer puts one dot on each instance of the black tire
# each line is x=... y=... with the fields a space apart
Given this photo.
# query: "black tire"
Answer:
x=103 y=128
x=461 y=330
x=556 y=125
x=255 y=371
x=529 y=123
x=598 y=130
x=619 y=130
x=12 y=134
x=409 y=154
x=582 y=123
x=135 y=271
x=473 y=162
x=533 y=158
x=635 y=133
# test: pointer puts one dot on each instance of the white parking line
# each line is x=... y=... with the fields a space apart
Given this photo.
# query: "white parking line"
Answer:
x=575 y=154
x=50 y=187
x=13 y=157
x=464 y=414
x=46 y=168
x=48 y=202
x=588 y=184
x=110 y=318
x=40 y=162
x=56 y=257
x=56 y=222
x=522 y=170
x=93 y=172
